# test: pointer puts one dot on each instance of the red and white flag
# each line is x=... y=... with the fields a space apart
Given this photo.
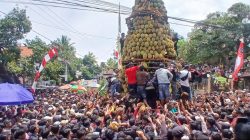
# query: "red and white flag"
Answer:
x=51 y=54
x=239 y=61
x=116 y=54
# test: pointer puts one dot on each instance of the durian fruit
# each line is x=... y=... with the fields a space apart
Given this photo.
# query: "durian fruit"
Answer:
x=144 y=64
x=144 y=56
x=149 y=38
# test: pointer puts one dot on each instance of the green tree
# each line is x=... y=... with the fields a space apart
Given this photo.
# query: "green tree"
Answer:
x=86 y=73
x=89 y=60
x=239 y=10
x=214 y=40
x=54 y=68
x=90 y=64
x=23 y=67
x=112 y=63
x=182 y=49
x=52 y=71
x=67 y=54
x=39 y=47
x=75 y=66
x=103 y=66
x=66 y=48
x=13 y=27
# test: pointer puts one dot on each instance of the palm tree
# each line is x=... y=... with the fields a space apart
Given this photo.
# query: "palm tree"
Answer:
x=89 y=59
x=67 y=54
x=66 y=49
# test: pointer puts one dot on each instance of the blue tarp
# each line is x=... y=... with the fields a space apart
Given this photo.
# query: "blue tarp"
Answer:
x=12 y=94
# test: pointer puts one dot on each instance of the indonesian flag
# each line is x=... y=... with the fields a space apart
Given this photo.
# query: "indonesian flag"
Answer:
x=239 y=61
x=116 y=54
x=51 y=54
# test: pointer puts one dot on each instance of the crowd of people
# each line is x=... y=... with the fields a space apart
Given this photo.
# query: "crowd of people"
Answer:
x=57 y=115
x=170 y=82
x=149 y=111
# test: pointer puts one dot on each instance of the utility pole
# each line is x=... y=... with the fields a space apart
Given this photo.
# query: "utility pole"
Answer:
x=119 y=46
x=66 y=72
x=65 y=76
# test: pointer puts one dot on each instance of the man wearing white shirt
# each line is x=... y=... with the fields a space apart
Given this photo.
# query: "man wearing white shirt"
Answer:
x=185 y=76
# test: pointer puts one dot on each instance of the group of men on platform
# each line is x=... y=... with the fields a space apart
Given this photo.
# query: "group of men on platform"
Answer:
x=140 y=82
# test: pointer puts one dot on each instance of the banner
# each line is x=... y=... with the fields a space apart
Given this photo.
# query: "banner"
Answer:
x=91 y=83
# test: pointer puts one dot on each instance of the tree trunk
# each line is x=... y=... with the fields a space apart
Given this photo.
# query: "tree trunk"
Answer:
x=24 y=78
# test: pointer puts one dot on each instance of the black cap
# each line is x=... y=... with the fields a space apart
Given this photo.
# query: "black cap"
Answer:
x=161 y=65
x=186 y=67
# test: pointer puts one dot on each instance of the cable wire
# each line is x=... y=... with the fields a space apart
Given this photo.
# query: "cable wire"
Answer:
x=104 y=3
x=108 y=10
x=65 y=7
x=63 y=29
x=45 y=17
x=67 y=24
x=180 y=24
x=41 y=35
x=3 y=12
x=55 y=21
x=39 y=14
x=82 y=34
x=67 y=3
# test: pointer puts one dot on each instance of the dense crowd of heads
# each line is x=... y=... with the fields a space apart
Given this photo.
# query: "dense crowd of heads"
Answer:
x=57 y=115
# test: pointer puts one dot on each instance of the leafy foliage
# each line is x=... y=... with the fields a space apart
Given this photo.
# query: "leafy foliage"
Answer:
x=239 y=10
x=13 y=27
x=89 y=60
x=182 y=49
x=67 y=55
x=103 y=87
x=214 y=40
x=90 y=66
x=23 y=67
x=13 y=67
x=39 y=48
x=103 y=66
x=86 y=73
x=112 y=63
x=66 y=48
x=53 y=70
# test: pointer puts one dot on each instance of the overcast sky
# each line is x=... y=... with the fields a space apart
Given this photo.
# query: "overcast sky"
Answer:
x=97 y=32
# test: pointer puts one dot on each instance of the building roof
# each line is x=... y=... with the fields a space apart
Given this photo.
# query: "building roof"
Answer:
x=109 y=72
x=25 y=51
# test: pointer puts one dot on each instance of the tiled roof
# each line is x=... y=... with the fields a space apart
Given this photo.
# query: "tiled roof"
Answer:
x=25 y=51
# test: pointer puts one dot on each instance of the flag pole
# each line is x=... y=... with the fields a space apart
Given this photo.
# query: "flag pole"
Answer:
x=118 y=39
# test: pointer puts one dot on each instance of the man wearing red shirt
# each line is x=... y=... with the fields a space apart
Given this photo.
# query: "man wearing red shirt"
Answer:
x=131 y=77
